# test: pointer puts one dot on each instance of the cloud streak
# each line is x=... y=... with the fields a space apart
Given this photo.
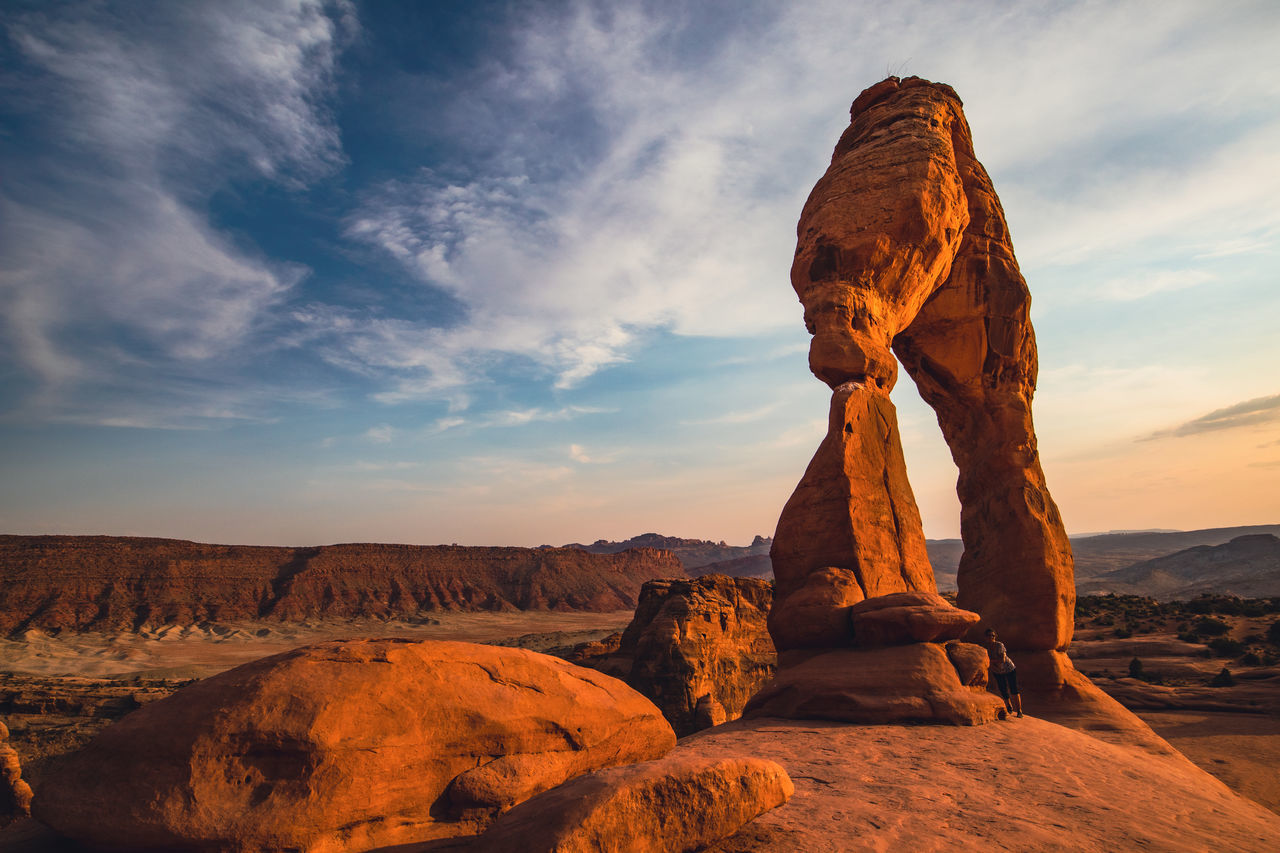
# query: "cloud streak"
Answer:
x=112 y=269
x=1260 y=410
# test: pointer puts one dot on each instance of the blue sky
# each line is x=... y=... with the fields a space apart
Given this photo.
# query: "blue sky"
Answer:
x=517 y=273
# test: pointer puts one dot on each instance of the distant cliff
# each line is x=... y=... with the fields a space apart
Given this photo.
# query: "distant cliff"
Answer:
x=120 y=583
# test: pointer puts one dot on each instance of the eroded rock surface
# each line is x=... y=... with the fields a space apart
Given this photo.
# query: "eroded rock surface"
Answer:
x=669 y=805
x=853 y=509
x=15 y=794
x=345 y=746
x=903 y=250
x=697 y=648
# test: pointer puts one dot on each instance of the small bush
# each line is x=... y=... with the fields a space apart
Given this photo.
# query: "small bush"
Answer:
x=1273 y=633
x=1223 y=679
x=1210 y=627
x=1189 y=637
x=1225 y=647
x=1122 y=632
x=1251 y=659
x=1135 y=668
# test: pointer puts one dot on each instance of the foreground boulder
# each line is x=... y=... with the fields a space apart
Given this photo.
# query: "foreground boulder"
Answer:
x=666 y=806
x=697 y=648
x=345 y=746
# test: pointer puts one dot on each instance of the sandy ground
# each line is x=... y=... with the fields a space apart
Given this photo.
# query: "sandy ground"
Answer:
x=1243 y=750
x=203 y=650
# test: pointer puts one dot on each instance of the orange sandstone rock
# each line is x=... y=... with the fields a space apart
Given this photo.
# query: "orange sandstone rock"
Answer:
x=853 y=509
x=903 y=250
x=345 y=746
x=15 y=794
x=908 y=617
x=699 y=643
x=817 y=614
x=914 y=683
x=665 y=806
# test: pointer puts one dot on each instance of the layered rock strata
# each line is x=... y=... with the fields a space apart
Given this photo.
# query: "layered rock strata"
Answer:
x=697 y=648
x=903 y=250
x=347 y=746
x=109 y=583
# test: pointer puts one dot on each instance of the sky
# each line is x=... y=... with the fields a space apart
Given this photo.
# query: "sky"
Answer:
x=516 y=273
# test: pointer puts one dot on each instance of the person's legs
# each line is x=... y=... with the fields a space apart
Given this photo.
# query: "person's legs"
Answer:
x=1012 y=679
x=1002 y=682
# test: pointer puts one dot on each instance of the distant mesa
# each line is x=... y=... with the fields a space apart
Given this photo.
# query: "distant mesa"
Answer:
x=1246 y=566
x=698 y=556
x=1098 y=554
x=107 y=583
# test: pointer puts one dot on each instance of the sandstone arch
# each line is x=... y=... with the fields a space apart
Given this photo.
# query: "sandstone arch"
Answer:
x=902 y=249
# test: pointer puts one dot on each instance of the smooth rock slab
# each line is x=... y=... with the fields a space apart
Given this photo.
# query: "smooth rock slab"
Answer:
x=666 y=806
x=345 y=746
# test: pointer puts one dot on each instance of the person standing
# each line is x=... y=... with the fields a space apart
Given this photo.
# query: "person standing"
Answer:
x=1005 y=671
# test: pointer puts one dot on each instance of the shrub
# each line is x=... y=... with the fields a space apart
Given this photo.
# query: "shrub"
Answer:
x=1223 y=679
x=1210 y=627
x=1273 y=633
x=1189 y=637
x=1225 y=647
x=1251 y=659
x=1135 y=668
x=1122 y=632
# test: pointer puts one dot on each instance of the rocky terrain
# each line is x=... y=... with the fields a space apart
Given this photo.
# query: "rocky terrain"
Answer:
x=698 y=649
x=1097 y=556
x=698 y=556
x=1247 y=566
x=116 y=583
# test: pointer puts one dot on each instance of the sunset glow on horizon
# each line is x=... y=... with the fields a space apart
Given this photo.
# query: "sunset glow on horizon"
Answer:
x=517 y=273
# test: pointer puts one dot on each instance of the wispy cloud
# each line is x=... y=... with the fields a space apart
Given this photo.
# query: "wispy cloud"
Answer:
x=380 y=434
x=520 y=417
x=111 y=268
x=1260 y=410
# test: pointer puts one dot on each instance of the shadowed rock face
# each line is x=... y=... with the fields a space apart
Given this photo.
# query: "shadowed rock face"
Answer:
x=903 y=250
x=697 y=648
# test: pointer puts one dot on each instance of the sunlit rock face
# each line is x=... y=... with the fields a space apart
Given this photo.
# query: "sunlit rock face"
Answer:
x=903 y=251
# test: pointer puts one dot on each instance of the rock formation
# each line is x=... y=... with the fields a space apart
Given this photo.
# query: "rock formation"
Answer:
x=15 y=794
x=903 y=250
x=663 y=806
x=109 y=583
x=697 y=648
x=346 y=746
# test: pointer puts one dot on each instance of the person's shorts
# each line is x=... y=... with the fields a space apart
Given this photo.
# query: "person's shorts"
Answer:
x=1007 y=682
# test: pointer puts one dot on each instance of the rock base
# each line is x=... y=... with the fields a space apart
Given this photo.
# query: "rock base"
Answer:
x=914 y=683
